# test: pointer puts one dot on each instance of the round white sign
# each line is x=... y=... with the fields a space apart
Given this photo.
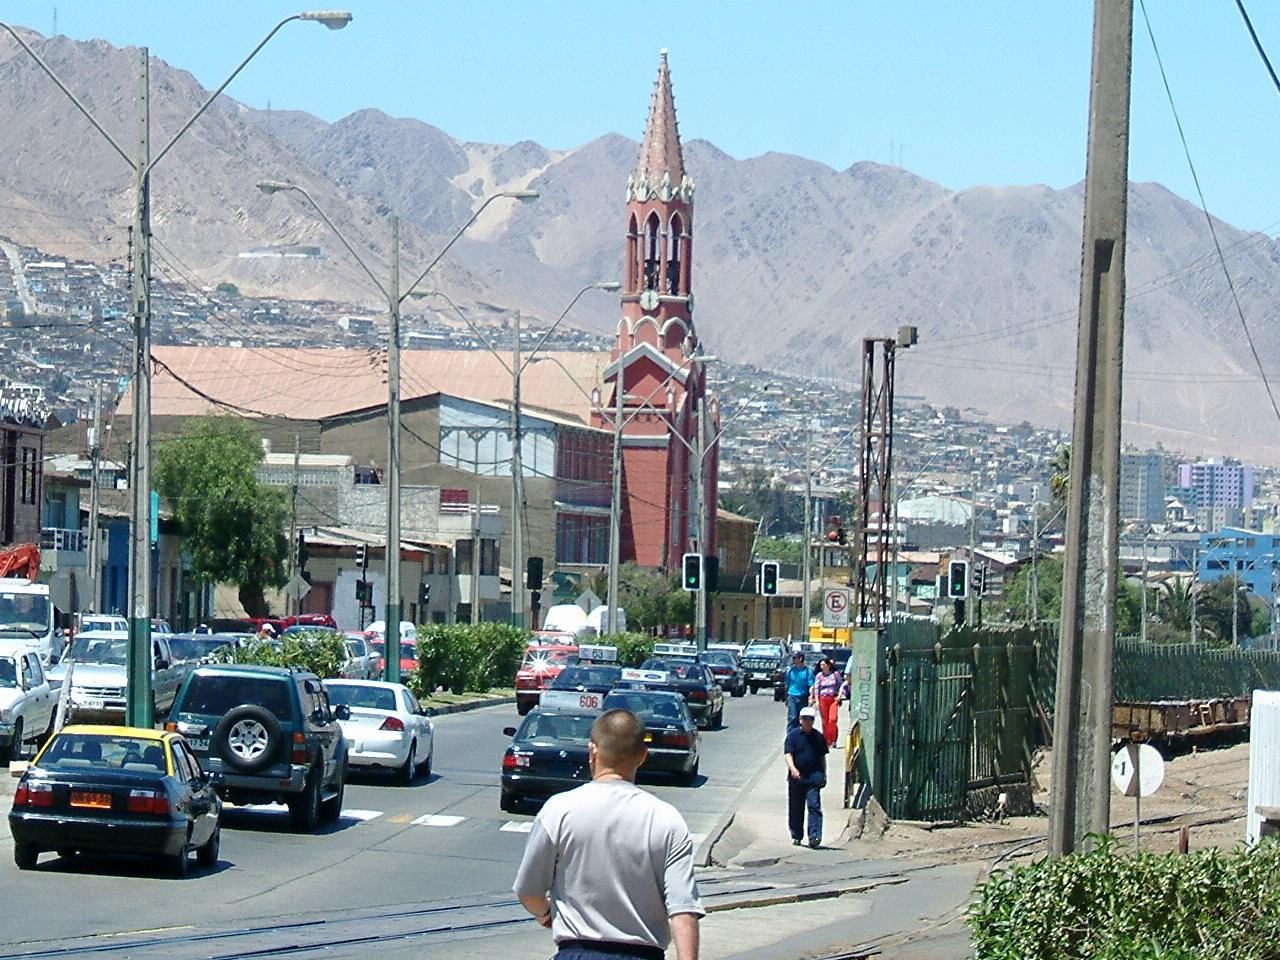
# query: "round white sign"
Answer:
x=1137 y=770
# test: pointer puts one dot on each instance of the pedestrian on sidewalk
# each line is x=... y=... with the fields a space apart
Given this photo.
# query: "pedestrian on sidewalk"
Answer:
x=828 y=689
x=805 y=751
x=608 y=867
x=799 y=682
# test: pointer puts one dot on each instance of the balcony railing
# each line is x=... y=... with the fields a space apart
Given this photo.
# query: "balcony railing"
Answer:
x=58 y=538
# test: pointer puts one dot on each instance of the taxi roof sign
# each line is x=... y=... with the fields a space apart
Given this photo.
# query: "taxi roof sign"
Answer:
x=598 y=652
x=630 y=675
x=675 y=649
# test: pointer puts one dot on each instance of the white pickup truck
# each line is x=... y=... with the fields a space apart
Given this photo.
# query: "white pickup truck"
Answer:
x=97 y=663
x=27 y=702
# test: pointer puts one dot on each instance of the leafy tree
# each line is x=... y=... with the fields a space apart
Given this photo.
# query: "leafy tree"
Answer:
x=1049 y=572
x=1215 y=609
x=650 y=598
x=233 y=524
x=227 y=289
x=757 y=493
x=781 y=549
x=1061 y=477
x=1178 y=598
x=323 y=652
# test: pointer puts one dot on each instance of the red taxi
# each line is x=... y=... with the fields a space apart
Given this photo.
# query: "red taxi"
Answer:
x=542 y=663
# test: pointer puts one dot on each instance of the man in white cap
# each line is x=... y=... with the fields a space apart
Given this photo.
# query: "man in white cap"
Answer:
x=805 y=751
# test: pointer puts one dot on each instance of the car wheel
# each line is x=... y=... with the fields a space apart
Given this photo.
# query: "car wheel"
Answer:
x=424 y=768
x=304 y=809
x=718 y=720
x=331 y=809
x=248 y=739
x=523 y=708
x=777 y=696
x=180 y=863
x=755 y=688
x=207 y=855
x=25 y=855
x=14 y=750
x=66 y=853
x=409 y=770
x=740 y=691
x=690 y=776
x=507 y=802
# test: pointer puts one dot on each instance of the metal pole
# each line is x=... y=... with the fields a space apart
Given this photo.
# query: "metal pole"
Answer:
x=517 y=491
x=139 y=699
x=1143 y=629
x=615 y=503
x=808 y=527
x=1235 y=609
x=1195 y=579
x=95 y=456
x=1034 y=600
x=700 y=614
x=473 y=595
x=971 y=608
x=1081 y=801
x=294 y=605
x=393 y=462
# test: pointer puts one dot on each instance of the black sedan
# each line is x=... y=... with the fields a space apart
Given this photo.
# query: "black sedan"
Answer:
x=670 y=733
x=548 y=755
x=728 y=672
x=580 y=687
x=696 y=683
x=116 y=790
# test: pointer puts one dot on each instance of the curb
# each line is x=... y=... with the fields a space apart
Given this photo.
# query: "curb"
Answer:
x=702 y=857
x=470 y=705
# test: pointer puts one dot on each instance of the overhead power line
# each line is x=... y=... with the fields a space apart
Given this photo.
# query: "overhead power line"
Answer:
x=1258 y=44
x=1213 y=231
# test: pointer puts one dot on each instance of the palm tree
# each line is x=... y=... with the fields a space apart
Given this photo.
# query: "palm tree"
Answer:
x=1178 y=598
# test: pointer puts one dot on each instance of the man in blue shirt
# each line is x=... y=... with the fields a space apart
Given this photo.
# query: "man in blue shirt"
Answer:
x=805 y=751
x=799 y=683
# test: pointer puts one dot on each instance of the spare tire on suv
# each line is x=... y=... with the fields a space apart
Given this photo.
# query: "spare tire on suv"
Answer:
x=248 y=738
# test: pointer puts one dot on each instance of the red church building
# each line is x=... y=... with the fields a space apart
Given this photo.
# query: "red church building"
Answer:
x=655 y=358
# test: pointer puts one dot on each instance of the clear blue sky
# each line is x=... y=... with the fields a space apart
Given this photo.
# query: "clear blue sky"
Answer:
x=986 y=92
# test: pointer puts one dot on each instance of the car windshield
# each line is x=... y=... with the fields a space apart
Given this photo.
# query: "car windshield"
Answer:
x=194 y=648
x=81 y=751
x=647 y=706
x=215 y=694
x=556 y=728
x=25 y=613
x=763 y=650
x=680 y=669
x=91 y=649
x=572 y=677
x=408 y=650
x=358 y=695
x=8 y=672
x=98 y=625
x=541 y=659
x=721 y=658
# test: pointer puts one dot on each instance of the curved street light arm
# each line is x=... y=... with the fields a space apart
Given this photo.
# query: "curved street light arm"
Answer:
x=715 y=441
x=338 y=233
x=470 y=325
x=452 y=240
x=71 y=96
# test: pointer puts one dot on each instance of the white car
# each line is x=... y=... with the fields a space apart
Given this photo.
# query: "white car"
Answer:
x=363 y=661
x=735 y=648
x=27 y=703
x=388 y=728
x=103 y=623
x=407 y=630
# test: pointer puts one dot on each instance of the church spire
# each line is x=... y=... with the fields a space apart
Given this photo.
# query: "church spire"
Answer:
x=660 y=170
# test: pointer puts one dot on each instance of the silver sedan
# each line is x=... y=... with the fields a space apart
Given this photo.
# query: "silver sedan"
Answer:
x=388 y=728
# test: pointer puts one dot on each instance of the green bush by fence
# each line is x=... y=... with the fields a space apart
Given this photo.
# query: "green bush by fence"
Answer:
x=323 y=652
x=1101 y=906
x=633 y=648
x=466 y=657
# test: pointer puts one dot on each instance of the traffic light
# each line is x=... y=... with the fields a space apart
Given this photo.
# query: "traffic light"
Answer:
x=982 y=580
x=362 y=555
x=692 y=571
x=424 y=594
x=769 y=578
x=360 y=592
x=302 y=550
x=533 y=573
x=958 y=580
x=841 y=537
x=711 y=572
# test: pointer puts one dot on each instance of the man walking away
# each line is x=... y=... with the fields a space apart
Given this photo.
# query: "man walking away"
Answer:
x=805 y=751
x=609 y=867
x=799 y=681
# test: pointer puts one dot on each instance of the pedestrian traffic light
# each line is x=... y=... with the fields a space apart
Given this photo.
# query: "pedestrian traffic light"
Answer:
x=360 y=593
x=982 y=580
x=362 y=555
x=533 y=573
x=958 y=580
x=711 y=572
x=692 y=571
x=302 y=550
x=769 y=578
x=424 y=594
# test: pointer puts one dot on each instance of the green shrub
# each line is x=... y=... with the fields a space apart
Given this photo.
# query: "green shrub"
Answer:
x=323 y=652
x=633 y=648
x=1103 y=906
x=465 y=657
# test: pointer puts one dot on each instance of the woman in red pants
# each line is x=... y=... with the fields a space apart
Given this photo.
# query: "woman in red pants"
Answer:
x=826 y=696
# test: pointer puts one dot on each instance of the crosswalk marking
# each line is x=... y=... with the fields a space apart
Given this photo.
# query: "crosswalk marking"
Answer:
x=401 y=818
x=438 y=820
x=697 y=838
x=517 y=826
x=361 y=815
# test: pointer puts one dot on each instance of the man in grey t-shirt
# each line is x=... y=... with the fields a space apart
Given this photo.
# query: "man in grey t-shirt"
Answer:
x=609 y=867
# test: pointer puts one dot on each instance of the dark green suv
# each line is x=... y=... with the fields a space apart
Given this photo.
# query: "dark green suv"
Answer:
x=267 y=735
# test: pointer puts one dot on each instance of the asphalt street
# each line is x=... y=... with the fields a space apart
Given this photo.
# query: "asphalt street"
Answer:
x=441 y=844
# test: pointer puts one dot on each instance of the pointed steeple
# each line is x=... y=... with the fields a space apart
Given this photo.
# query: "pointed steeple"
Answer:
x=661 y=165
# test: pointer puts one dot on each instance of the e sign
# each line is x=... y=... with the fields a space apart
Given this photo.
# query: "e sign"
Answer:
x=835 y=608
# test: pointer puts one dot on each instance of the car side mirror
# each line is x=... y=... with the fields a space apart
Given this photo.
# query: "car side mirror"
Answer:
x=508 y=731
x=342 y=712
x=162 y=663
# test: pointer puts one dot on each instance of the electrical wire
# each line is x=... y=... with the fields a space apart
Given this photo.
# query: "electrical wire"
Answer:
x=1253 y=34
x=1213 y=232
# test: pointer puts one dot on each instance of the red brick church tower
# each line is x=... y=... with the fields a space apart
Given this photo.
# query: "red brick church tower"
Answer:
x=654 y=359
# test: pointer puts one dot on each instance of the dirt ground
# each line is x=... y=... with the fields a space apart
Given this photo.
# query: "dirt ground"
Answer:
x=1203 y=790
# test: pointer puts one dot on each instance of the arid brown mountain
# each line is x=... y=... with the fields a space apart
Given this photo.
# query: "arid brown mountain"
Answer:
x=794 y=262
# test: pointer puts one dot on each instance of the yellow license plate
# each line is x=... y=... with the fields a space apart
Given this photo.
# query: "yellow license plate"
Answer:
x=92 y=800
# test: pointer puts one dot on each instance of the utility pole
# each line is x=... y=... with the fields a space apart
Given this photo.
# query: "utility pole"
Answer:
x=517 y=491
x=971 y=609
x=808 y=524
x=473 y=595
x=615 y=502
x=1143 y=630
x=392 y=619
x=1195 y=579
x=1081 y=801
x=699 y=486
x=95 y=456
x=139 y=697
x=1034 y=600
x=295 y=606
x=1235 y=609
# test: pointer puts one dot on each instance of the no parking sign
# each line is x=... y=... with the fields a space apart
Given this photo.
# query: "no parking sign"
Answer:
x=835 y=608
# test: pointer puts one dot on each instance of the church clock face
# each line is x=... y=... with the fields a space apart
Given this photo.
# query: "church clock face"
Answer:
x=649 y=300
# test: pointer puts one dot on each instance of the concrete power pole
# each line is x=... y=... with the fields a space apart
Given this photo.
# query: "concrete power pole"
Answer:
x=971 y=608
x=392 y=620
x=805 y=572
x=517 y=493
x=1033 y=605
x=95 y=456
x=699 y=486
x=615 y=504
x=1081 y=802
x=294 y=606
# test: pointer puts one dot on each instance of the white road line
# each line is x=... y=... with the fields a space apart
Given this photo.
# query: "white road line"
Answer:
x=438 y=820
x=517 y=826
x=361 y=815
x=697 y=838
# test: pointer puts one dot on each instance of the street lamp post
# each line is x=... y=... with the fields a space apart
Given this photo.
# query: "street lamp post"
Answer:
x=139 y=696
x=395 y=300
